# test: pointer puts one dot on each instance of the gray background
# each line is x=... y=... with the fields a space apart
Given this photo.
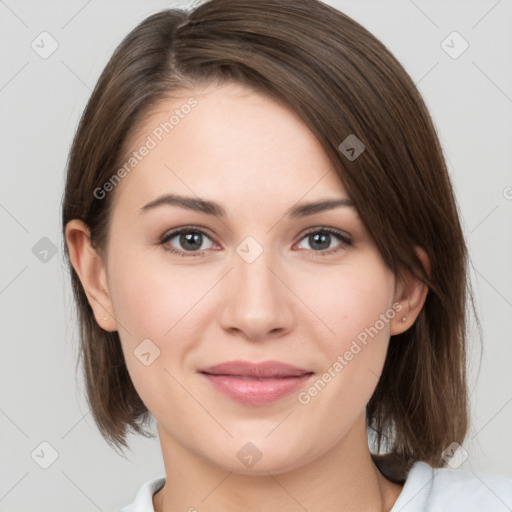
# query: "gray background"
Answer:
x=41 y=400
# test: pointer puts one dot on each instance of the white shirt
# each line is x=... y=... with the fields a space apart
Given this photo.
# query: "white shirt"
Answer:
x=426 y=489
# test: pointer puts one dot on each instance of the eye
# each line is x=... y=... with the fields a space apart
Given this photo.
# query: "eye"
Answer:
x=189 y=241
x=320 y=240
x=186 y=240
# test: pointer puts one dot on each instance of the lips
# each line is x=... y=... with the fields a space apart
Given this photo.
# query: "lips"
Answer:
x=255 y=383
x=264 y=370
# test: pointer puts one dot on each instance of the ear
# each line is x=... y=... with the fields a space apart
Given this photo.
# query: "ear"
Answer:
x=91 y=272
x=411 y=293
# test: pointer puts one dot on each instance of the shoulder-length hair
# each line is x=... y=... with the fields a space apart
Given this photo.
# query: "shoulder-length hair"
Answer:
x=341 y=81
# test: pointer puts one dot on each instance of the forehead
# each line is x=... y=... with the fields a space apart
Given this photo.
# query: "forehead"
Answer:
x=227 y=140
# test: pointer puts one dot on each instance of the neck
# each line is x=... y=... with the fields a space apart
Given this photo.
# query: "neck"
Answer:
x=345 y=478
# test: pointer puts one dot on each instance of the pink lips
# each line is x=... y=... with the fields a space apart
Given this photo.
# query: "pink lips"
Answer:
x=255 y=383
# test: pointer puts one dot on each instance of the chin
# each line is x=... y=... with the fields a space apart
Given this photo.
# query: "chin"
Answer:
x=261 y=457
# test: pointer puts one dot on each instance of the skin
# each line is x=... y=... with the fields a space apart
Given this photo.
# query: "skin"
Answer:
x=296 y=303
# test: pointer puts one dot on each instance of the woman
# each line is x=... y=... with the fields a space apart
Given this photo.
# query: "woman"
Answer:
x=267 y=258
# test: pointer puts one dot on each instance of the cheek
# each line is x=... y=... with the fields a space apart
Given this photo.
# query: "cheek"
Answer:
x=150 y=297
x=350 y=299
x=356 y=305
x=147 y=303
x=165 y=304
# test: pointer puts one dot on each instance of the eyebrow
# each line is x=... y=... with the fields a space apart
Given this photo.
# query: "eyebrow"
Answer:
x=215 y=209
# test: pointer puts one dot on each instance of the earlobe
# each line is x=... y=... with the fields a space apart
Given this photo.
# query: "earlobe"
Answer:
x=411 y=293
x=89 y=267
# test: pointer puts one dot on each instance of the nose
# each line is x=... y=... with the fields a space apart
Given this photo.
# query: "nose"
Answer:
x=256 y=303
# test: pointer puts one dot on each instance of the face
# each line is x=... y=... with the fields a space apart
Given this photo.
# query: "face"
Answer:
x=258 y=278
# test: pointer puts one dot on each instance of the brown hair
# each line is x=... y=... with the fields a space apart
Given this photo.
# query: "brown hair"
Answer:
x=340 y=80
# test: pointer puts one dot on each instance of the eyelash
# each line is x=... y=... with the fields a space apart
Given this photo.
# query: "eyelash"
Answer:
x=345 y=241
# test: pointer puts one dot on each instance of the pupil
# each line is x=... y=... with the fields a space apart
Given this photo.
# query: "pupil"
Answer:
x=191 y=241
x=320 y=240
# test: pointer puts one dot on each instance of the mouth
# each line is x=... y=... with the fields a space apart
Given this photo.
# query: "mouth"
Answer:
x=256 y=383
